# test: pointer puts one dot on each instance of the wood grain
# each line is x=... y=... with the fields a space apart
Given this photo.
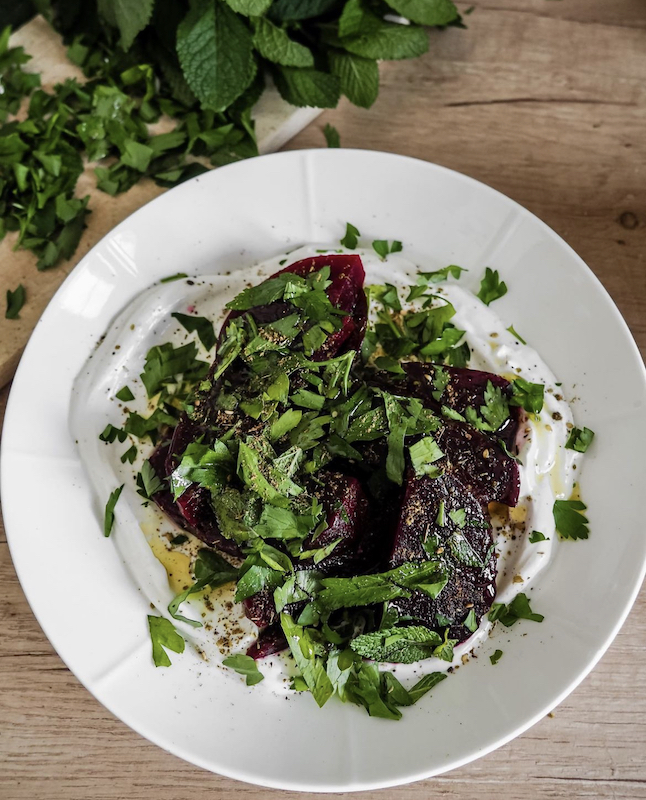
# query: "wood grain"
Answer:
x=545 y=101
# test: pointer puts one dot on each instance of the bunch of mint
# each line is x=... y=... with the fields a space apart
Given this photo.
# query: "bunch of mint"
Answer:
x=203 y=64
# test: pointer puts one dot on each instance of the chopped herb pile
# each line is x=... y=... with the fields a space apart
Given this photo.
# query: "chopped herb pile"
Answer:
x=203 y=65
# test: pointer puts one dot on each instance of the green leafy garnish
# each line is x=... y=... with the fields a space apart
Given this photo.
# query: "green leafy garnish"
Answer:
x=245 y=665
x=509 y=615
x=164 y=637
x=495 y=658
x=528 y=395
x=350 y=240
x=148 y=481
x=110 y=434
x=579 y=439
x=130 y=455
x=108 y=519
x=423 y=454
x=520 y=339
x=15 y=301
x=125 y=395
x=308 y=660
x=331 y=136
x=537 y=536
x=382 y=248
x=569 y=519
x=199 y=325
x=491 y=287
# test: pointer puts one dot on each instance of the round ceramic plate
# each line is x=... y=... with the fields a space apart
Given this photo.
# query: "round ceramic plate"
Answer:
x=95 y=614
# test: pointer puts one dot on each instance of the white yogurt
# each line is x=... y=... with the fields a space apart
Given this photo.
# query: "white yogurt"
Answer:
x=547 y=473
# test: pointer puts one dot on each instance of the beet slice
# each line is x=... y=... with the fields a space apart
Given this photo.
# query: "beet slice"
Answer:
x=465 y=388
x=466 y=551
x=348 y=520
x=346 y=293
x=270 y=640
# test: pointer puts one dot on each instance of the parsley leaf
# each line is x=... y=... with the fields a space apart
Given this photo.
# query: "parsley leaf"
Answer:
x=125 y=394
x=509 y=615
x=491 y=287
x=245 y=665
x=424 y=454
x=569 y=519
x=108 y=520
x=495 y=658
x=382 y=248
x=148 y=481
x=15 y=301
x=350 y=240
x=537 y=536
x=528 y=395
x=439 y=275
x=164 y=637
x=199 y=325
x=521 y=340
x=310 y=664
x=579 y=439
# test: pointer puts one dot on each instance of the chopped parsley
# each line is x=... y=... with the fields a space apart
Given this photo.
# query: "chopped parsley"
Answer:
x=108 y=519
x=164 y=637
x=579 y=439
x=509 y=615
x=491 y=287
x=569 y=519
x=351 y=238
x=125 y=394
x=200 y=325
x=537 y=536
x=15 y=302
x=495 y=657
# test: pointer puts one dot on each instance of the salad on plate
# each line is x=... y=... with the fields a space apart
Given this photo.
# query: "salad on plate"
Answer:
x=350 y=482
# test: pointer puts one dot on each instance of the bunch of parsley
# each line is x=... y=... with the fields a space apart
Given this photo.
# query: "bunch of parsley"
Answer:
x=203 y=64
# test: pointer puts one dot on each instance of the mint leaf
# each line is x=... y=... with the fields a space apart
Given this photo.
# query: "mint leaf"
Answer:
x=131 y=18
x=359 y=77
x=300 y=9
x=389 y=42
x=163 y=635
x=307 y=87
x=569 y=520
x=200 y=325
x=579 y=439
x=397 y=645
x=355 y=19
x=424 y=685
x=15 y=301
x=274 y=44
x=250 y=8
x=285 y=423
x=426 y=12
x=245 y=665
x=491 y=287
x=350 y=240
x=332 y=137
x=445 y=649
x=215 y=52
x=397 y=431
x=108 y=519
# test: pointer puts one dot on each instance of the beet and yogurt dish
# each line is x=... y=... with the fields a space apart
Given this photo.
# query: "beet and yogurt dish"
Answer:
x=370 y=471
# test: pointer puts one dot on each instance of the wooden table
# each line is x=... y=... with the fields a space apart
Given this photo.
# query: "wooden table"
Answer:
x=545 y=101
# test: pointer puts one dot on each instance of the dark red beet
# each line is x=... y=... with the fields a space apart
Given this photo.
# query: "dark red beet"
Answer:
x=479 y=463
x=345 y=292
x=270 y=640
x=470 y=587
x=260 y=608
x=465 y=389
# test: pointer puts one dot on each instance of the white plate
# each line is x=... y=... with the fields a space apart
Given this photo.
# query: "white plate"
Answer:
x=94 y=614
